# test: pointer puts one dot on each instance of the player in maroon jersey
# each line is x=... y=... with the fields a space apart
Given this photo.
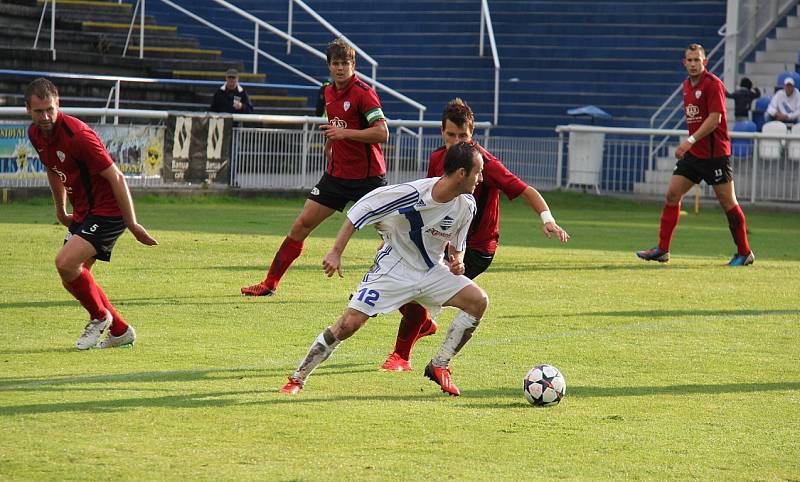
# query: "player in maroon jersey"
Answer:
x=80 y=169
x=356 y=128
x=704 y=155
x=458 y=123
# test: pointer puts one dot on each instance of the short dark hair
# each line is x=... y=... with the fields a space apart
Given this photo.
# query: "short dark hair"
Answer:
x=695 y=48
x=458 y=112
x=460 y=155
x=746 y=83
x=338 y=49
x=41 y=88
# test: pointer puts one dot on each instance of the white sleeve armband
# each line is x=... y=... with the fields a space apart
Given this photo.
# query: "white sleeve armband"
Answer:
x=691 y=140
x=547 y=217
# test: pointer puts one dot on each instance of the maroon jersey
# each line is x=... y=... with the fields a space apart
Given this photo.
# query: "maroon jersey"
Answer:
x=485 y=228
x=76 y=155
x=699 y=101
x=356 y=106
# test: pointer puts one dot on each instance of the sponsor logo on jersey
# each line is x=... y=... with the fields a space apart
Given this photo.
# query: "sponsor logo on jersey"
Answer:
x=447 y=223
x=439 y=234
x=336 y=122
x=420 y=204
x=61 y=156
x=692 y=111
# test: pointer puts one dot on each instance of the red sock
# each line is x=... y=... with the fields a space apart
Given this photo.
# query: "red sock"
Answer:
x=669 y=221
x=118 y=325
x=738 y=227
x=288 y=252
x=414 y=316
x=85 y=290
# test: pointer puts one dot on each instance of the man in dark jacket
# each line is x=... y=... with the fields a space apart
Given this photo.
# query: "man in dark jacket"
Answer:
x=743 y=97
x=231 y=97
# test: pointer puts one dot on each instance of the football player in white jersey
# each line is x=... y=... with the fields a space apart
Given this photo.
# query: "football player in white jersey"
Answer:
x=418 y=221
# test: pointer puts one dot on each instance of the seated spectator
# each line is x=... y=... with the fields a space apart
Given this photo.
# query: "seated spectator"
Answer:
x=231 y=97
x=785 y=104
x=743 y=98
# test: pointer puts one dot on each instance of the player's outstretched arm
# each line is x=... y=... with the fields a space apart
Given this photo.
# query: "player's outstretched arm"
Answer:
x=122 y=194
x=332 y=262
x=538 y=204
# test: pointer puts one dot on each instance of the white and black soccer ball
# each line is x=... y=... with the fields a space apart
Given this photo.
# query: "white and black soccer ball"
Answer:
x=544 y=386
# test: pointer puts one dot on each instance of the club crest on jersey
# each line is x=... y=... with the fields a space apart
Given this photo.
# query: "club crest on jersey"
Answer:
x=346 y=105
x=697 y=94
x=336 y=122
x=447 y=223
x=61 y=156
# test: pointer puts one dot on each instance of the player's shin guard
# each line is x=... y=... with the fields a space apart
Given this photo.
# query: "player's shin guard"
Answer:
x=669 y=221
x=289 y=251
x=459 y=333
x=738 y=227
x=84 y=289
x=319 y=351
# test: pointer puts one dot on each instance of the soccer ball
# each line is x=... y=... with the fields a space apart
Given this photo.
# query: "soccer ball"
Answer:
x=544 y=386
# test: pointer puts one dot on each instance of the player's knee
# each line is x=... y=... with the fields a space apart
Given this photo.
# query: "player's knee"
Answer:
x=66 y=268
x=479 y=304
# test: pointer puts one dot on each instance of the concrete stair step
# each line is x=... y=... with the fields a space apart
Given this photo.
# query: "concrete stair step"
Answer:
x=782 y=44
x=216 y=75
x=751 y=68
x=777 y=56
x=785 y=33
x=175 y=53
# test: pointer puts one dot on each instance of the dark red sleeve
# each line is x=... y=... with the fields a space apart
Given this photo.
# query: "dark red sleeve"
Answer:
x=716 y=97
x=90 y=149
x=497 y=175
x=436 y=163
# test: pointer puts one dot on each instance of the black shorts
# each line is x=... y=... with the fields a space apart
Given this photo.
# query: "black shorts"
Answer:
x=335 y=193
x=713 y=171
x=100 y=231
x=476 y=262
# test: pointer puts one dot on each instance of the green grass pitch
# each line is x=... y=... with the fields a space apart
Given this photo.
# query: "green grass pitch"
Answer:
x=678 y=371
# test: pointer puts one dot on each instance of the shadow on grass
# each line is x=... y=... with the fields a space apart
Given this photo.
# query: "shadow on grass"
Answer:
x=650 y=314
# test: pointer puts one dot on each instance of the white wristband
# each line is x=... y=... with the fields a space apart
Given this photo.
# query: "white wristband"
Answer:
x=547 y=217
x=691 y=139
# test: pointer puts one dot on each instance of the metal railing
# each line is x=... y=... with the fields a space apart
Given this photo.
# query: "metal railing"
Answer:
x=331 y=29
x=52 y=3
x=766 y=166
x=486 y=21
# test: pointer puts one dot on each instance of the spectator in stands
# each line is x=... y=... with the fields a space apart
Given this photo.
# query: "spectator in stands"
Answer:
x=231 y=97
x=356 y=127
x=458 y=124
x=703 y=156
x=743 y=98
x=785 y=104
x=319 y=110
x=80 y=169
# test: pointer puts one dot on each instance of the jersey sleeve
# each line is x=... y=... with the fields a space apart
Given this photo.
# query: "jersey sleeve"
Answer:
x=371 y=107
x=460 y=240
x=716 y=98
x=382 y=202
x=498 y=175
x=92 y=152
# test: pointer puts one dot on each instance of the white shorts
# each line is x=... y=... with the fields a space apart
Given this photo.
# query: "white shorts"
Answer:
x=391 y=283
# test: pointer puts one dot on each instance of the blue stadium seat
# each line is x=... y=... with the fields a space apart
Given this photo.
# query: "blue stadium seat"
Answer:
x=743 y=147
x=760 y=109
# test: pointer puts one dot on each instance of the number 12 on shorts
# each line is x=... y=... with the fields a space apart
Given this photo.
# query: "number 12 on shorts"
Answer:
x=368 y=297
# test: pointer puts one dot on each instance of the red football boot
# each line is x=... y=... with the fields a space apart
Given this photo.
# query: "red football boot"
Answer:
x=442 y=377
x=292 y=387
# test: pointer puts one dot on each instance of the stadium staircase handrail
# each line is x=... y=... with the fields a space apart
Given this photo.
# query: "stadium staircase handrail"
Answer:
x=486 y=20
x=331 y=29
x=52 y=27
x=258 y=22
